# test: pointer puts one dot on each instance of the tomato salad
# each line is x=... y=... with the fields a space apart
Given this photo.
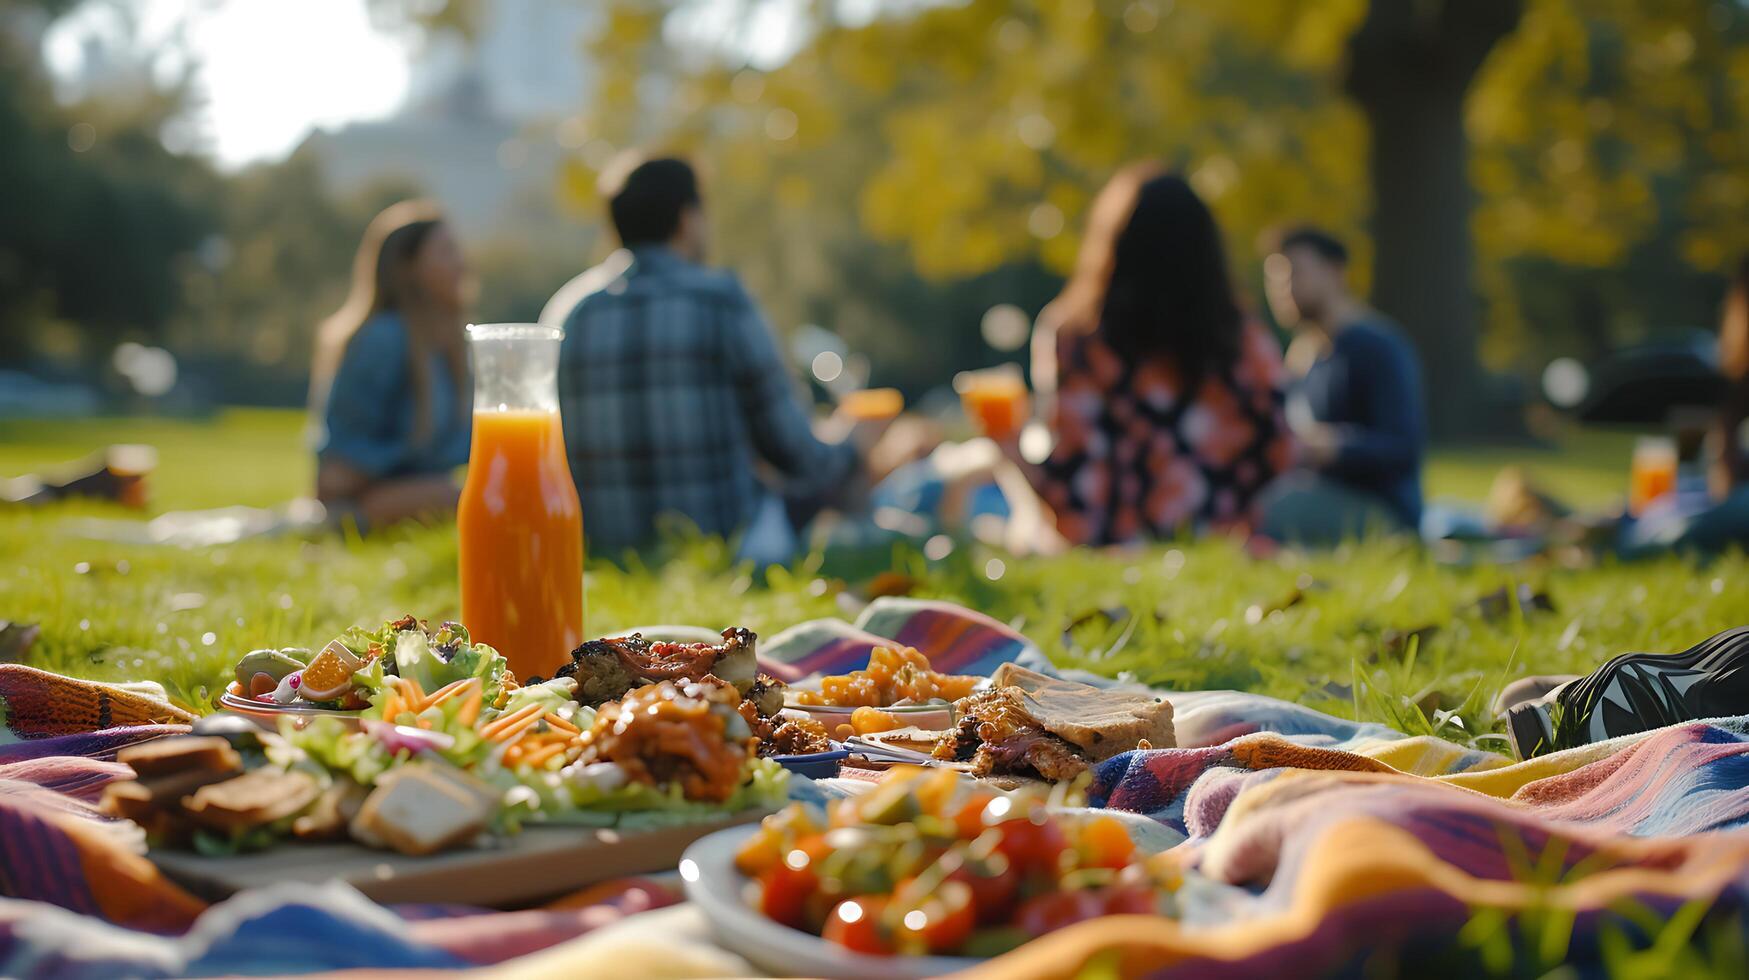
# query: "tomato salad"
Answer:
x=928 y=863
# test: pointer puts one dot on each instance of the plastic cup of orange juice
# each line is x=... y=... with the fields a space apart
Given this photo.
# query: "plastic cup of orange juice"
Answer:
x=995 y=399
x=873 y=404
x=1653 y=472
x=519 y=520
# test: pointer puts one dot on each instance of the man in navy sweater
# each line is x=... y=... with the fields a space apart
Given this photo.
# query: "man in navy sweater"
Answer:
x=1355 y=405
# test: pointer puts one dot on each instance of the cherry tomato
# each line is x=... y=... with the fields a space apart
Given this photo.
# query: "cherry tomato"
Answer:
x=786 y=886
x=970 y=818
x=1130 y=900
x=941 y=923
x=1033 y=847
x=1054 y=910
x=993 y=891
x=855 y=924
x=1106 y=844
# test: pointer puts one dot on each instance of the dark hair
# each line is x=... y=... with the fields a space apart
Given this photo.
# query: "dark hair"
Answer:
x=1325 y=245
x=1152 y=276
x=647 y=205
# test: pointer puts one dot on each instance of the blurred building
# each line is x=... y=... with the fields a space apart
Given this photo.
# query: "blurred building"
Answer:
x=483 y=124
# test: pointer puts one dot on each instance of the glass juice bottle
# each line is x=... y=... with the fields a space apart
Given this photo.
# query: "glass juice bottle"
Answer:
x=519 y=520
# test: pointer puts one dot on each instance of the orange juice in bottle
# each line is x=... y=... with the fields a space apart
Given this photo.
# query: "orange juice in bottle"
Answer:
x=520 y=525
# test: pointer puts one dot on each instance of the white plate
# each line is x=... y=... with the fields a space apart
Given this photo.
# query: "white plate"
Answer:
x=932 y=717
x=720 y=892
x=674 y=634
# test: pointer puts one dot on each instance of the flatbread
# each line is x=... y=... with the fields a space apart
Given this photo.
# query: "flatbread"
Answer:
x=1101 y=723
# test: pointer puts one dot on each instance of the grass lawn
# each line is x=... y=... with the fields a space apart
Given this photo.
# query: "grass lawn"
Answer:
x=1210 y=615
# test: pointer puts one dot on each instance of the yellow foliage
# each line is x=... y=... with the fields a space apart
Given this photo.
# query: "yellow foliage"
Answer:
x=973 y=134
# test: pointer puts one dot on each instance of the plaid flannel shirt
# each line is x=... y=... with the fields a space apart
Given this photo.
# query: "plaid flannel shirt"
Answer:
x=673 y=390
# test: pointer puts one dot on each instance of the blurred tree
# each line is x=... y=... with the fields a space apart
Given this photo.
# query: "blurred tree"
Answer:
x=1410 y=68
x=280 y=264
x=99 y=214
x=1612 y=171
x=1592 y=148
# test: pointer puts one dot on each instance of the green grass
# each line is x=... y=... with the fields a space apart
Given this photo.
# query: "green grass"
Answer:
x=1588 y=471
x=241 y=456
x=1210 y=616
x=258 y=457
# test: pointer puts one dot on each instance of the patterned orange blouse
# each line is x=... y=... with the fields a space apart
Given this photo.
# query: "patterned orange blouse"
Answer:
x=1134 y=460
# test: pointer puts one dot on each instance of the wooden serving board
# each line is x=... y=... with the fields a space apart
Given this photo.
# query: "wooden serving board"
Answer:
x=539 y=864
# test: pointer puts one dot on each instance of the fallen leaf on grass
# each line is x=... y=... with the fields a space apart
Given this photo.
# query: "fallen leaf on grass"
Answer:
x=16 y=639
x=1499 y=602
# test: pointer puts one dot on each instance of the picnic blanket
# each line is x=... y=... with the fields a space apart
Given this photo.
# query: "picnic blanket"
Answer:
x=1310 y=843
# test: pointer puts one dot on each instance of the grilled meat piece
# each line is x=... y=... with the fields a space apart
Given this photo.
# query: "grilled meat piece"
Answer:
x=779 y=735
x=796 y=736
x=767 y=695
x=686 y=732
x=1033 y=749
x=600 y=670
x=999 y=736
x=606 y=669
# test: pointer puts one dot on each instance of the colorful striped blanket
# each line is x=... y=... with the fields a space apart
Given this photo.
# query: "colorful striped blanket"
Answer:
x=1311 y=845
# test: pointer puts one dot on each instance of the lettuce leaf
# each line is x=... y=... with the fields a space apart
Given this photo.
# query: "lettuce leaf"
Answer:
x=765 y=784
x=417 y=660
x=554 y=694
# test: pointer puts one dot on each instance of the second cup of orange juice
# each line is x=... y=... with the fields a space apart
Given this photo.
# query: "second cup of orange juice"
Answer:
x=520 y=523
x=995 y=399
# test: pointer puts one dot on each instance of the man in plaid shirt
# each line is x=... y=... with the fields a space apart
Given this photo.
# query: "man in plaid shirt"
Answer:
x=672 y=388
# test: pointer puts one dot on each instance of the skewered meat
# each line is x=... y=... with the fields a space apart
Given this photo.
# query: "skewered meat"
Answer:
x=606 y=669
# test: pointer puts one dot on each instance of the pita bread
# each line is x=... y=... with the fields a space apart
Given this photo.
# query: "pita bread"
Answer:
x=1100 y=723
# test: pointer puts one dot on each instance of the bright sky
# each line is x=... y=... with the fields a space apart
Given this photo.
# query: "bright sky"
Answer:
x=269 y=70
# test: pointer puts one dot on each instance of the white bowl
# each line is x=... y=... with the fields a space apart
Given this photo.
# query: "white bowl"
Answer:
x=720 y=892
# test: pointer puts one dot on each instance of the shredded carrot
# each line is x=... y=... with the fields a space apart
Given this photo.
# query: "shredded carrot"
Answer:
x=563 y=725
x=414 y=693
x=391 y=705
x=470 y=710
x=444 y=693
x=496 y=725
x=539 y=756
x=514 y=729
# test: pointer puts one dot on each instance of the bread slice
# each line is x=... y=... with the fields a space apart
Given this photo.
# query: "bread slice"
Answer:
x=253 y=799
x=1099 y=722
x=166 y=756
x=129 y=800
x=326 y=819
x=420 y=809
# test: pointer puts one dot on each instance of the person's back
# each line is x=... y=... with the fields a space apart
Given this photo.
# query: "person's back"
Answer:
x=1163 y=398
x=1138 y=457
x=673 y=390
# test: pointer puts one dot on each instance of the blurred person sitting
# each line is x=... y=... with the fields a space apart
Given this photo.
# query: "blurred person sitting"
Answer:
x=1355 y=404
x=390 y=395
x=1730 y=468
x=674 y=393
x=1718 y=519
x=1162 y=396
x=117 y=474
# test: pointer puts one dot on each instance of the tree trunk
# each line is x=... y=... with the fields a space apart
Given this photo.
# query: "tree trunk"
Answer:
x=1410 y=66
